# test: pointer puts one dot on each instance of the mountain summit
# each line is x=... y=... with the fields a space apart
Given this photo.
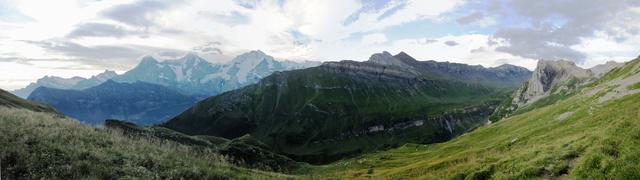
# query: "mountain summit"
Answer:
x=77 y=83
x=194 y=75
x=385 y=58
x=550 y=77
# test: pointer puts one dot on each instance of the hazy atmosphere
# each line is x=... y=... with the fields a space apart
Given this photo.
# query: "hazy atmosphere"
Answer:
x=82 y=38
x=320 y=89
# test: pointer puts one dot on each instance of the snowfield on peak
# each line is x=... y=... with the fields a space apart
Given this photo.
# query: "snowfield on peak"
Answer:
x=194 y=75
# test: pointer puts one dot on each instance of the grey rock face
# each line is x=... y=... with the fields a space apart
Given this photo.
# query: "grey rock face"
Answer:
x=602 y=69
x=549 y=77
x=387 y=59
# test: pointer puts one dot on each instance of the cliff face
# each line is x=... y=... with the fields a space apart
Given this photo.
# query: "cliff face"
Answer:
x=549 y=77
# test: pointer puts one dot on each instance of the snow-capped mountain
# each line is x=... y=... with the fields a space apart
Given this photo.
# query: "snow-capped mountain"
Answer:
x=182 y=74
x=77 y=83
x=193 y=75
x=95 y=80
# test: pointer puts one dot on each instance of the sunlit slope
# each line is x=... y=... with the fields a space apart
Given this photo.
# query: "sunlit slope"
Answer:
x=590 y=135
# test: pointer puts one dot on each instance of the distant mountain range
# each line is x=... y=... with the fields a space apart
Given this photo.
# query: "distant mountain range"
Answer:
x=191 y=74
x=183 y=80
x=139 y=102
x=339 y=109
x=195 y=76
x=76 y=83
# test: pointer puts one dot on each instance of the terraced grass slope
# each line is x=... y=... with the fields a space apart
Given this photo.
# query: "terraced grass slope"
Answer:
x=41 y=145
x=340 y=109
x=591 y=134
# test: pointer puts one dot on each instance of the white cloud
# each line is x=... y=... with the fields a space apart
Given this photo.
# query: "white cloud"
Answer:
x=603 y=47
x=19 y=78
x=471 y=49
x=294 y=29
x=373 y=39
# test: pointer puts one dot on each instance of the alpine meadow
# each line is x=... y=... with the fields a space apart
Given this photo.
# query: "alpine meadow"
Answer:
x=320 y=89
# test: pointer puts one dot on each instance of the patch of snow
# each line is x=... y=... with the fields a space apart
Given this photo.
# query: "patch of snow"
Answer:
x=210 y=77
x=178 y=72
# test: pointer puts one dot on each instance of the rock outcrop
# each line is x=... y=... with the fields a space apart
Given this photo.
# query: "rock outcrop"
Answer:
x=602 y=69
x=550 y=77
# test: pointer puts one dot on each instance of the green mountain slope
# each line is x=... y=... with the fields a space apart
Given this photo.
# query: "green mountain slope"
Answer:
x=9 y=100
x=42 y=145
x=340 y=109
x=592 y=134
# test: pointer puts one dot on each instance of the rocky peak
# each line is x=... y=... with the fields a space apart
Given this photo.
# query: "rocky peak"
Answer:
x=58 y=82
x=602 y=69
x=148 y=60
x=251 y=57
x=191 y=59
x=510 y=68
x=386 y=59
x=107 y=74
x=550 y=75
x=406 y=58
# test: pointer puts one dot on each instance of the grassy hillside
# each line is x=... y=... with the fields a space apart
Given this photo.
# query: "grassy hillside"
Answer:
x=591 y=134
x=37 y=145
x=245 y=151
x=9 y=100
x=325 y=113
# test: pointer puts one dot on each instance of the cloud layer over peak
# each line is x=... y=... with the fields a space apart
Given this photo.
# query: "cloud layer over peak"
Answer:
x=98 y=35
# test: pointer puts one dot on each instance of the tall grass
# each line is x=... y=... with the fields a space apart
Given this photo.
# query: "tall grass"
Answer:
x=35 y=145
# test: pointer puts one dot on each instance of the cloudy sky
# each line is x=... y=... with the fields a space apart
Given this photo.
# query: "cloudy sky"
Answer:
x=84 y=37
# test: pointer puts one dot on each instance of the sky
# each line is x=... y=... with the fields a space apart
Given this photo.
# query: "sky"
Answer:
x=84 y=37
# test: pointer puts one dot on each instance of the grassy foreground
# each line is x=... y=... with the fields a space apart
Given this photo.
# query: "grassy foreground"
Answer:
x=37 y=145
x=578 y=137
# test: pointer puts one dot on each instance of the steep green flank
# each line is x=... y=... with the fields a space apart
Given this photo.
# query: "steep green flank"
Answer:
x=577 y=137
x=9 y=100
x=317 y=115
x=342 y=109
x=35 y=145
